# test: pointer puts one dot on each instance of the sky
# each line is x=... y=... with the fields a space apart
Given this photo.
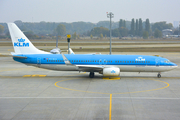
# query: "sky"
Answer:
x=88 y=10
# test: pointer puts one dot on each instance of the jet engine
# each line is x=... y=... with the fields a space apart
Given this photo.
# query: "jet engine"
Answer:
x=111 y=71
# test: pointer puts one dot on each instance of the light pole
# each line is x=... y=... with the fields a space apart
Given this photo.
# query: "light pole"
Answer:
x=68 y=40
x=179 y=29
x=110 y=15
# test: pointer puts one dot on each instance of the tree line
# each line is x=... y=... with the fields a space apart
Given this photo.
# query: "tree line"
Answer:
x=138 y=28
x=123 y=28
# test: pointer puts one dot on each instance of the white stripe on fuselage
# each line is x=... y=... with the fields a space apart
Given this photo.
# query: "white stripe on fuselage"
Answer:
x=123 y=68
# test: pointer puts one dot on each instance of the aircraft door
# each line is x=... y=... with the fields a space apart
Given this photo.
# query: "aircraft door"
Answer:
x=105 y=62
x=38 y=61
x=100 y=61
x=157 y=62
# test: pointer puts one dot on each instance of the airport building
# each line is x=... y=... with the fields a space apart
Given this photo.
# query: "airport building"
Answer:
x=167 y=32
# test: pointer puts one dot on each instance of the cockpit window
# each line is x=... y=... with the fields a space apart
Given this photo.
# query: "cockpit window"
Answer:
x=166 y=61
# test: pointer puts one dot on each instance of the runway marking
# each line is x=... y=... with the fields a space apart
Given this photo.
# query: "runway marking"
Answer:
x=27 y=76
x=110 y=104
x=37 y=75
x=141 y=98
x=167 y=85
x=82 y=73
x=117 y=78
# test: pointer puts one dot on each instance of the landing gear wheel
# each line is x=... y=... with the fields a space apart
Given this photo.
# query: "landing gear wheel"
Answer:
x=91 y=74
x=159 y=75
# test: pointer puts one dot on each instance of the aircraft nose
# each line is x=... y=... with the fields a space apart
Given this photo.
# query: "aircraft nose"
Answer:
x=175 y=65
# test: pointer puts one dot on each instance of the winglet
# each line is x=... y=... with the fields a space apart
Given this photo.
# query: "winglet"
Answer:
x=67 y=62
x=71 y=51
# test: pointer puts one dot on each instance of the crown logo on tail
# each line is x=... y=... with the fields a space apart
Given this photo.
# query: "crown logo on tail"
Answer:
x=21 y=40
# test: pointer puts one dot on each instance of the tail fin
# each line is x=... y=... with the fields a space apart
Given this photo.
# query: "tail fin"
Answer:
x=21 y=43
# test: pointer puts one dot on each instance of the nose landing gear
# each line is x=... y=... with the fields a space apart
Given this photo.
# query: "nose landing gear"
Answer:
x=159 y=75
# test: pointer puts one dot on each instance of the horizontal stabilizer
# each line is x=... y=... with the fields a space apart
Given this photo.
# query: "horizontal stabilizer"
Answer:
x=21 y=57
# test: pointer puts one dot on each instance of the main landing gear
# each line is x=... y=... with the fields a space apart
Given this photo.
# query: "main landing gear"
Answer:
x=91 y=74
x=159 y=75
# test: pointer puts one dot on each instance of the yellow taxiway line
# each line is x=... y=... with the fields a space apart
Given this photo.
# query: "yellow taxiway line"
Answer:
x=112 y=78
x=110 y=104
x=35 y=75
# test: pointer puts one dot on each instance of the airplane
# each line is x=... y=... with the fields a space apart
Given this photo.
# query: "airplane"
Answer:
x=107 y=65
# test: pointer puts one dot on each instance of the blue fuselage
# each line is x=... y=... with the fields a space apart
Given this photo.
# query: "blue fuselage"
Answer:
x=78 y=59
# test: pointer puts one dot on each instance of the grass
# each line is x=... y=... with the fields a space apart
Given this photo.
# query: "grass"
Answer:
x=140 y=49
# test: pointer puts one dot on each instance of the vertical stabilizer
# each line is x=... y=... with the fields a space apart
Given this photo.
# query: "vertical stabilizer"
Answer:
x=21 y=43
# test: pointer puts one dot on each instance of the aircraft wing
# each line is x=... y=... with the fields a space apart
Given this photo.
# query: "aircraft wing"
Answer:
x=86 y=68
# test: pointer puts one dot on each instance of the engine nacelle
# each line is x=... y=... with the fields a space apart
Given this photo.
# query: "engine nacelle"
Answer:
x=111 y=72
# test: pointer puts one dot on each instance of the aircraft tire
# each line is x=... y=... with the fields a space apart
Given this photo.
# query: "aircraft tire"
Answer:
x=91 y=74
x=159 y=75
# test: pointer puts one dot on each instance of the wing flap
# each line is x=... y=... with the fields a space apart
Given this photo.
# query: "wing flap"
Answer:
x=88 y=68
